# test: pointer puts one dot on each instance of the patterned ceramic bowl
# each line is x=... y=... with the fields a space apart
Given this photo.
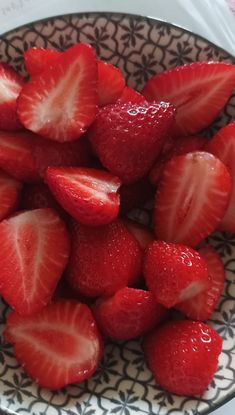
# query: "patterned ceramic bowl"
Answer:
x=123 y=384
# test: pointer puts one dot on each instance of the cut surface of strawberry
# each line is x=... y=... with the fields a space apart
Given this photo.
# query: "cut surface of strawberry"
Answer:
x=110 y=83
x=183 y=356
x=130 y=95
x=192 y=198
x=198 y=90
x=222 y=146
x=128 y=137
x=61 y=102
x=129 y=313
x=103 y=259
x=174 y=272
x=10 y=190
x=57 y=346
x=38 y=59
x=16 y=155
x=88 y=195
x=203 y=305
x=11 y=84
x=34 y=252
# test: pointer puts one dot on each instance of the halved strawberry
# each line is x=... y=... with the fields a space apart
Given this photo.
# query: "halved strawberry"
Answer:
x=110 y=83
x=57 y=346
x=129 y=313
x=222 y=146
x=192 y=198
x=11 y=84
x=10 y=190
x=103 y=259
x=38 y=59
x=61 y=102
x=203 y=305
x=88 y=195
x=135 y=195
x=34 y=252
x=16 y=155
x=198 y=90
x=130 y=95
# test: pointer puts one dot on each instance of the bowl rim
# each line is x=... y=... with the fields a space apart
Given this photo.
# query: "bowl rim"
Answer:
x=231 y=395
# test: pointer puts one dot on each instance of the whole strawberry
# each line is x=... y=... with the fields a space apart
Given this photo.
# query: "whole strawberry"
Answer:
x=183 y=356
x=128 y=137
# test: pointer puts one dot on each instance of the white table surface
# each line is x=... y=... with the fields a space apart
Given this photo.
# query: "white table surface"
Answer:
x=212 y=19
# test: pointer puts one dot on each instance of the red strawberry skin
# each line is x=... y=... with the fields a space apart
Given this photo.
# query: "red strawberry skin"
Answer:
x=203 y=305
x=129 y=313
x=174 y=272
x=58 y=346
x=103 y=259
x=37 y=196
x=11 y=84
x=10 y=190
x=183 y=356
x=222 y=146
x=38 y=59
x=192 y=198
x=130 y=95
x=128 y=137
x=88 y=195
x=198 y=90
x=16 y=155
x=110 y=83
x=143 y=234
x=34 y=252
x=61 y=102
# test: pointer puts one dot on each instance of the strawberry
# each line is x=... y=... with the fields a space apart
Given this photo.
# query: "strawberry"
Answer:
x=222 y=146
x=174 y=272
x=203 y=305
x=103 y=259
x=181 y=145
x=198 y=90
x=192 y=198
x=110 y=83
x=37 y=196
x=11 y=84
x=128 y=137
x=142 y=233
x=183 y=356
x=10 y=190
x=38 y=59
x=61 y=102
x=129 y=313
x=48 y=153
x=57 y=346
x=16 y=155
x=88 y=195
x=34 y=252
x=135 y=195
x=130 y=95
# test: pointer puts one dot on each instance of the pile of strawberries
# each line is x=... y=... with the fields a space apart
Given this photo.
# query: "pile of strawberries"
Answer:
x=78 y=150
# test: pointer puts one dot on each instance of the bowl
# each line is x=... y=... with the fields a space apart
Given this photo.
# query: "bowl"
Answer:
x=141 y=47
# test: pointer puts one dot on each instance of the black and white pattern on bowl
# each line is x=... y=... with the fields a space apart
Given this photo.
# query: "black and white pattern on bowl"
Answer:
x=123 y=385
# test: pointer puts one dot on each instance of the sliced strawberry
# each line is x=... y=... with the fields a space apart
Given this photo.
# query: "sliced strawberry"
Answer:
x=103 y=259
x=192 y=198
x=57 y=346
x=11 y=84
x=130 y=95
x=16 y=155
x=110 y=83
x=88 y=195
x=34 y=252
x=61 y=102
x=10 y=190
x=128 y=137
x=129 y=313
x=203 y=305
x=48 y=153
x=37 y=196
x=142 y=234
x=198 y=90
x=181 y=145
x=135 y=194
x=222 y=146
x=174 y=272
x=38 y=59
